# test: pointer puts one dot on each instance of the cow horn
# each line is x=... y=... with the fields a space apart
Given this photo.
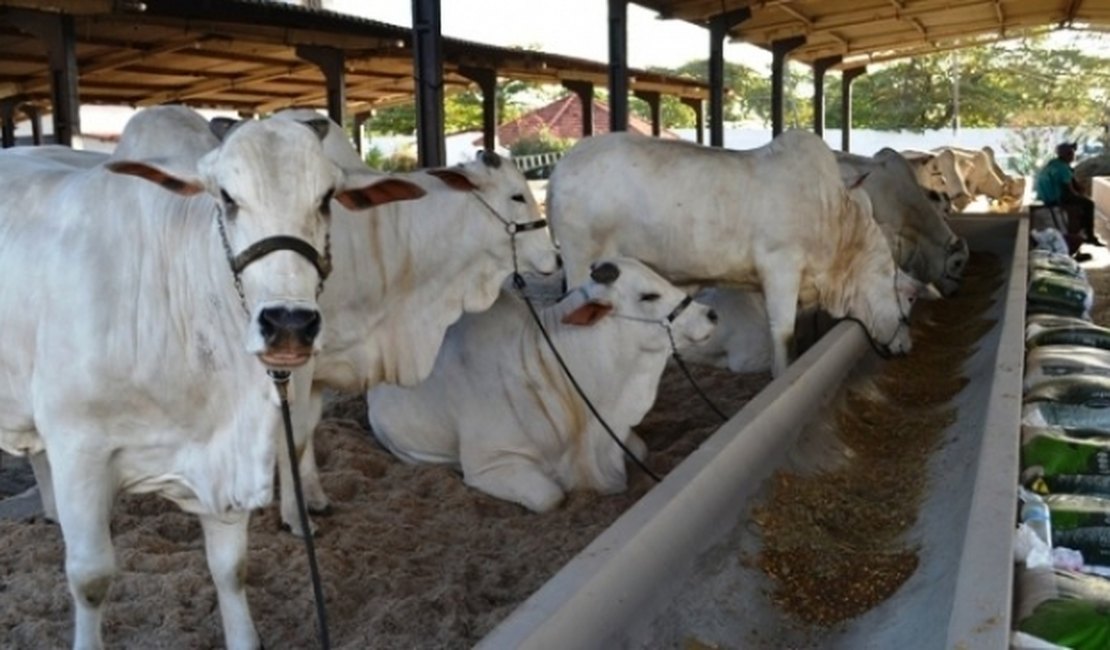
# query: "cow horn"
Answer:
x=605 y=273
x=319 y=126
x=490 y=159
x=221 y=127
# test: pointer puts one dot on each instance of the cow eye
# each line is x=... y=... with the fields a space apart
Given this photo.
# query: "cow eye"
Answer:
x=649 y=297
x=230 y=206
x=325 y=203
x=519 y=198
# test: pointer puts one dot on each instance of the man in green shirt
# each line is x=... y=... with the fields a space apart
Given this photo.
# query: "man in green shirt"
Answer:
x=1056 y=186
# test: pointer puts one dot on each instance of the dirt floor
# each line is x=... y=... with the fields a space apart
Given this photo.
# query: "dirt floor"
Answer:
x=411 y=558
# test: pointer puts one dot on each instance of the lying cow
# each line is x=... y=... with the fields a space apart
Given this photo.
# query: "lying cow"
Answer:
x=940 y=173
x=139 y=321
x=401 y=279
x=909 y=216
x=776 y=219
x=499 y=406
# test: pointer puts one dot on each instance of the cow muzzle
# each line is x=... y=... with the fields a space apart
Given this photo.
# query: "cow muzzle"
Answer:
x=288 y=334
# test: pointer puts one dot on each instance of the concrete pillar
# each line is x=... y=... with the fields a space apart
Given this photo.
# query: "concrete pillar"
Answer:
x=820 y=67
x=718 y=31
x=428 y=69
x=846 y=79
x=331 y=62
x=699 y=116
x=585 y=92
x=7 y=122
x=618 y=65
x=486 y=78
x=356 y=126
x=56 y=33
x=779 y=50
x=653 y=100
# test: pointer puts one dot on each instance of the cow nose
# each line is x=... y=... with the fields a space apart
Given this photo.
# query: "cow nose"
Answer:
x=277 y=322
x=711 y=315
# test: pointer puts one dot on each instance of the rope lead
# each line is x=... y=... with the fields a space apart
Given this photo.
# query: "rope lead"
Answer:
x=281 y=383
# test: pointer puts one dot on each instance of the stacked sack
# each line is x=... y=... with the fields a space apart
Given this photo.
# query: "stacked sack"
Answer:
x=1063 y=596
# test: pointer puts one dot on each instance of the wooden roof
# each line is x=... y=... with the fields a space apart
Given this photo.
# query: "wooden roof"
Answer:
x=241 y=54
x=864 y=31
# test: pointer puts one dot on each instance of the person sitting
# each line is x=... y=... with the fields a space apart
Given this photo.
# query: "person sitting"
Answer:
x=1056 y=187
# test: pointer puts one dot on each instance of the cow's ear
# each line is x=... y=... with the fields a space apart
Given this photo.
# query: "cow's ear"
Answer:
x=454 y=179
x=379 y=191
x=588 y=314
x=180 y=183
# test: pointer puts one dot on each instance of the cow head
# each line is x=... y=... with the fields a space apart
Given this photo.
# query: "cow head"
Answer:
x=626 y=290
x=270 y=186
x=503 y=200
x=887 y=300
x=955 y=261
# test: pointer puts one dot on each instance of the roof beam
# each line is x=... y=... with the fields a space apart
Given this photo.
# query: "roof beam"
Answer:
x=318 y=96
x=117 y=59
x=216 y=85
x=783 y=28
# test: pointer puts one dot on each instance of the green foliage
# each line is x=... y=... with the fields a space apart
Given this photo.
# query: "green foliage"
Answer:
x=399 y=161
x=462 y=110
x=543 y=142
x=1033 y=145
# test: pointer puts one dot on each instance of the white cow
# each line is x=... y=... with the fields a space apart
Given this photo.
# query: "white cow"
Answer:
x=135 y=355
x=741 y=341
x=401 y=279
x=983 y=176
x=939 y=172
x=499 y=406
x=1086 y=170
x=776 y=219
x=923 y=243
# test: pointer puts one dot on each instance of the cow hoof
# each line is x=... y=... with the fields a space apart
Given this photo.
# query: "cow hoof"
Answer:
x=325 y=511
x=297 y=532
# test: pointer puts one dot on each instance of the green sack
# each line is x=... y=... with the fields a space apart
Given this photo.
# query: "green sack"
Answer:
x=1049 y=451
x=1064 y=607
x=1071 y=511
x=1057 y=294
x=1086 y=334
x=1047 y=261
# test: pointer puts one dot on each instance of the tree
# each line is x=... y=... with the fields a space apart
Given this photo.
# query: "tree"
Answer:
x=462 y=110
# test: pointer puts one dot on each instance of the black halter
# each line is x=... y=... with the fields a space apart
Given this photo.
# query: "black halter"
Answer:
x=513 y=228
x=263 y=247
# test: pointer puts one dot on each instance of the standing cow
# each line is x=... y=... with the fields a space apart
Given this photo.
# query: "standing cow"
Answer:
x=908 y=215
x=401 y=279
x=499 y=406
x=776 y=219
x=142 y=303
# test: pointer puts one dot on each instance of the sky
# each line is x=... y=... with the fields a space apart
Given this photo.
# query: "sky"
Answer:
x=569 y=27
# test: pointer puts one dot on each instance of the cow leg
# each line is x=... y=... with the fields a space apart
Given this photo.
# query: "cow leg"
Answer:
x=40 y=465
x=85 y=493
x=225 y=545
x=514 y=479
x=780 y=291
x=637 y=446
x=314 y=495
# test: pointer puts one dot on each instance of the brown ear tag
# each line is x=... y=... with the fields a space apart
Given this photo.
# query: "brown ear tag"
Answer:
x=587 y=314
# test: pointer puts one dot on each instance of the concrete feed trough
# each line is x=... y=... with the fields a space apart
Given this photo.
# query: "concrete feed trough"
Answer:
x=669 y=571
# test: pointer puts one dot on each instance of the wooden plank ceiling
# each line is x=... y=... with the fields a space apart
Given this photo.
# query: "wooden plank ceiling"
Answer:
x=864 y=31
x=241 y=54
